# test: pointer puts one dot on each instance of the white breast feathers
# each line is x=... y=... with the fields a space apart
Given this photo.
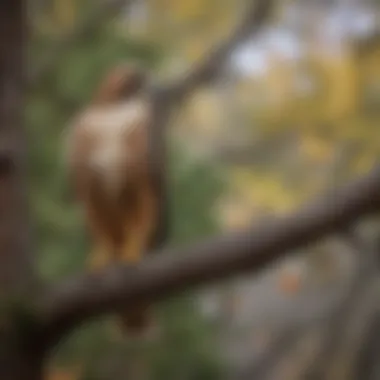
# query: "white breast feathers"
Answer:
x=110 y=127
x=115 y=119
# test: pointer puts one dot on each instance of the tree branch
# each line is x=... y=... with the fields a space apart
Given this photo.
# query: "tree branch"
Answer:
x=82 y=31
x=209 y=68
x=206 y=71
x=91 y=295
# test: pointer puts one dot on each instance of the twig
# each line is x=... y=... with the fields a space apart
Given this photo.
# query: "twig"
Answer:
x=87 y=296
x=168 y=96
x=209 y=68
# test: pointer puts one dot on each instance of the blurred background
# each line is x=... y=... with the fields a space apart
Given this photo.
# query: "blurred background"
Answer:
x=295 y=111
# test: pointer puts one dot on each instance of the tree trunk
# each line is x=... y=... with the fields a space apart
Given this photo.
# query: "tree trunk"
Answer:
x=18 y=359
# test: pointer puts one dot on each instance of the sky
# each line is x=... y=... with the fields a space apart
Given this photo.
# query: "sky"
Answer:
x=339 y=23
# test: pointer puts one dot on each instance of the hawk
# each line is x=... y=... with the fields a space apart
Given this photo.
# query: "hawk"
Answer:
x=109 y=156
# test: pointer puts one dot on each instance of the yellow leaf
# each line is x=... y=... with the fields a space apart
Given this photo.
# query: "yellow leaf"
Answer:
x=364 y=164
x=263 y=191
x=316 y=148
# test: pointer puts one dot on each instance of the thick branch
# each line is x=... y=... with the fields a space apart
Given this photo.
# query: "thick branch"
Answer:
x=209 y=68
x=84 y=30
x=86 y=296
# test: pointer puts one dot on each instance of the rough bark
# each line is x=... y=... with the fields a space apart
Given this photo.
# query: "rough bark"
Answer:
x=18 y=361
x=172 y=271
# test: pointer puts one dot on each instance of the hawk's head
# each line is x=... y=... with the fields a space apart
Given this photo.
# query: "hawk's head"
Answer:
x=121 y=83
